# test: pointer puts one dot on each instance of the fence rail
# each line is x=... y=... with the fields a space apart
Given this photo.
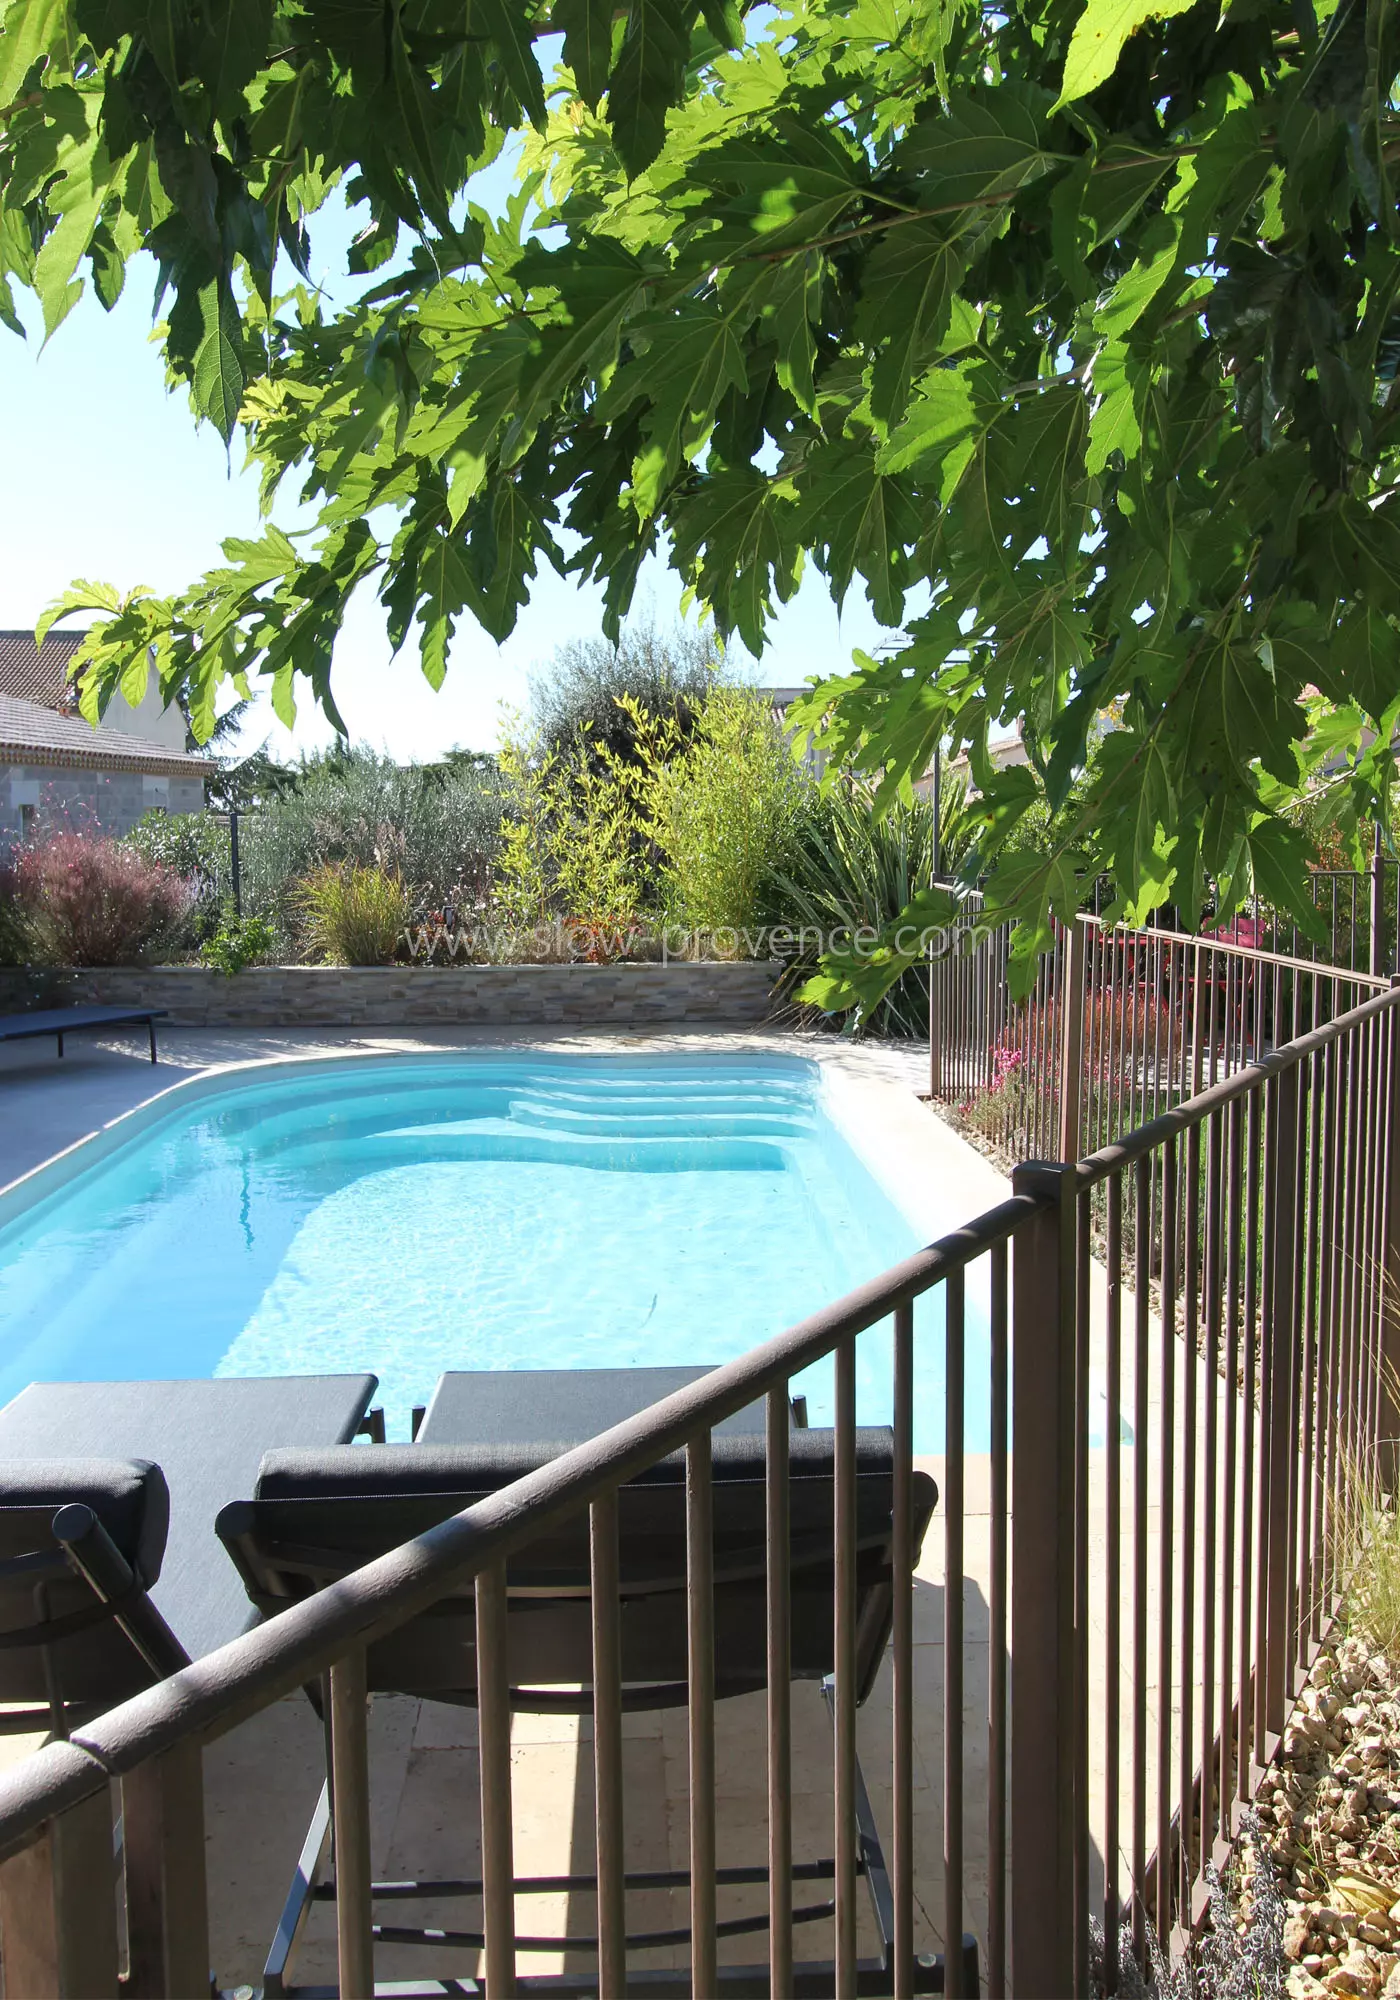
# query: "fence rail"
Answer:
x=1179 y=1343
x=1354 y=926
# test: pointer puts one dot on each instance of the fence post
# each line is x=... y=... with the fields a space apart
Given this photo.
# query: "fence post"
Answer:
x=1072 y=1041
x=1377 y=878
x=58 y=1908
x=234 y=862
x=166 y=1895
x=935 y=1026
x=935 y=1008
x=1389 y=1416
x=1043 y=1750
x=1278 y=1363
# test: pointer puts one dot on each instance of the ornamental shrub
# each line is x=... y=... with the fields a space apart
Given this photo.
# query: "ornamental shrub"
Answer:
x=238 y=942
x=435 y=828
x=196 y=845
x=725 y=811
x=850 y=868
x=353 y=916
x=577 y=836
x=90 y=900
x=16 y=943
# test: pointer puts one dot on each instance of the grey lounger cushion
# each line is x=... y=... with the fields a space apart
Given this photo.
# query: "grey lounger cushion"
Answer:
x=315 y=1516
x=97 y=1664
x=130 y=1498
x=208 y=1438
x=529 y=1405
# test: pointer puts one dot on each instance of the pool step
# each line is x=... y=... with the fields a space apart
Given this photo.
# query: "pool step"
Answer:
x=695 y=1120
x=496 y=1139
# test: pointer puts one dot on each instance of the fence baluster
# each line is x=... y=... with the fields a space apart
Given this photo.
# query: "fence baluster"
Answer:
x=1189 y=1358
x=1165 y=1548
x=1083 y=1279
x=953 y=1500
x=845 y=1658
x=996 y=1669
x=1042 y=1559
x=1142 y=1302
x=605 y=1591
x=1211 y=1383
x=1308 y=1526
x=354 y=1913
x=1390 y=1260
x=1231 y=1699
x=1327 y=1339
x=700 y=1602
x=902 y=1643
x=167 y=1903
x=1277 y=1381
x=1113 y=1558
x=1249 y=1654
x=493 y=1730
x=779 y=1543
x=58 y=1907
x=1072 y=1041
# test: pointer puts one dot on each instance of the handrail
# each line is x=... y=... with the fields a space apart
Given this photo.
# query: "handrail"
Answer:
x=1255 y=954
x=224 y=1688
x=1110 y=1159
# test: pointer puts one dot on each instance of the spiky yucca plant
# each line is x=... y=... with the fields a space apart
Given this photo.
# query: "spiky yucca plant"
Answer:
x=850 y=868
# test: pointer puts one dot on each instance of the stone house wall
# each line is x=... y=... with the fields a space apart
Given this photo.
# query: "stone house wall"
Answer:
x=110 y=801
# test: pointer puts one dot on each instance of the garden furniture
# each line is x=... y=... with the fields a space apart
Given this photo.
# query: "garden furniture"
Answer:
x=111 y=1580
x=81 y=1546
x=316 y=1516
x=207 y=1439
x=61 y=1021
x=530 y=1405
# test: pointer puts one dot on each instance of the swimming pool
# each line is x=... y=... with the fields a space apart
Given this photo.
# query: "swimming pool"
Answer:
x=413 y=1214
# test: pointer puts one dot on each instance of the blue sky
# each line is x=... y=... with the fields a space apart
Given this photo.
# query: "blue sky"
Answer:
x=106 y=477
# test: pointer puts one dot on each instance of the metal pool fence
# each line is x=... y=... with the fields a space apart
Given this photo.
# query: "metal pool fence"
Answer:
x=1120 y=1024
x=1091 y=1666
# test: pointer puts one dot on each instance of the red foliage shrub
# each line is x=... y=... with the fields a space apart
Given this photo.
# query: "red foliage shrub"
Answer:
x=89 y=900
x=1131 y=1024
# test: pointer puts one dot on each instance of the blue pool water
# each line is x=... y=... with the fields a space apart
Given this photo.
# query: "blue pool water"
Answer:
x=413 y=1215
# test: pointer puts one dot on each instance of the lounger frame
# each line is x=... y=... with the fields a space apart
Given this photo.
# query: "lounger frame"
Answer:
x=313 y=1882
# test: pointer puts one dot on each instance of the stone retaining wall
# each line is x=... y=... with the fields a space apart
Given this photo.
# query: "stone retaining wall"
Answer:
x=333 y=996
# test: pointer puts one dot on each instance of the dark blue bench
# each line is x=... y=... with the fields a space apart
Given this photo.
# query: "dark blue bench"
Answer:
x=61 y=1021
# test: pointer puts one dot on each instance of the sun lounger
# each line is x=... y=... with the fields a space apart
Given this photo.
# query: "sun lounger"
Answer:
x=527 y=1405
x=110 y=1575
x=315 y=1516
x=208 y=1439
x=61 y=1021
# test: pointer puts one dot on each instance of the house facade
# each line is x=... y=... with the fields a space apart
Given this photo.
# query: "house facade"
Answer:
x=1004 y=750
x=55 y=768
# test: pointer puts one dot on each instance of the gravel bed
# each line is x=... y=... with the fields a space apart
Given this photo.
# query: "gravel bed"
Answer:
x=1330 y=1813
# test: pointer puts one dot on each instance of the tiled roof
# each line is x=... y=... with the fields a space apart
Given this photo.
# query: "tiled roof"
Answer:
x=33 y=734
x=38 y=673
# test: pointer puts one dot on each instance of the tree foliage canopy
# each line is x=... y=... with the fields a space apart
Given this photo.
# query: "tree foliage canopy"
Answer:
x=1069 y=330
